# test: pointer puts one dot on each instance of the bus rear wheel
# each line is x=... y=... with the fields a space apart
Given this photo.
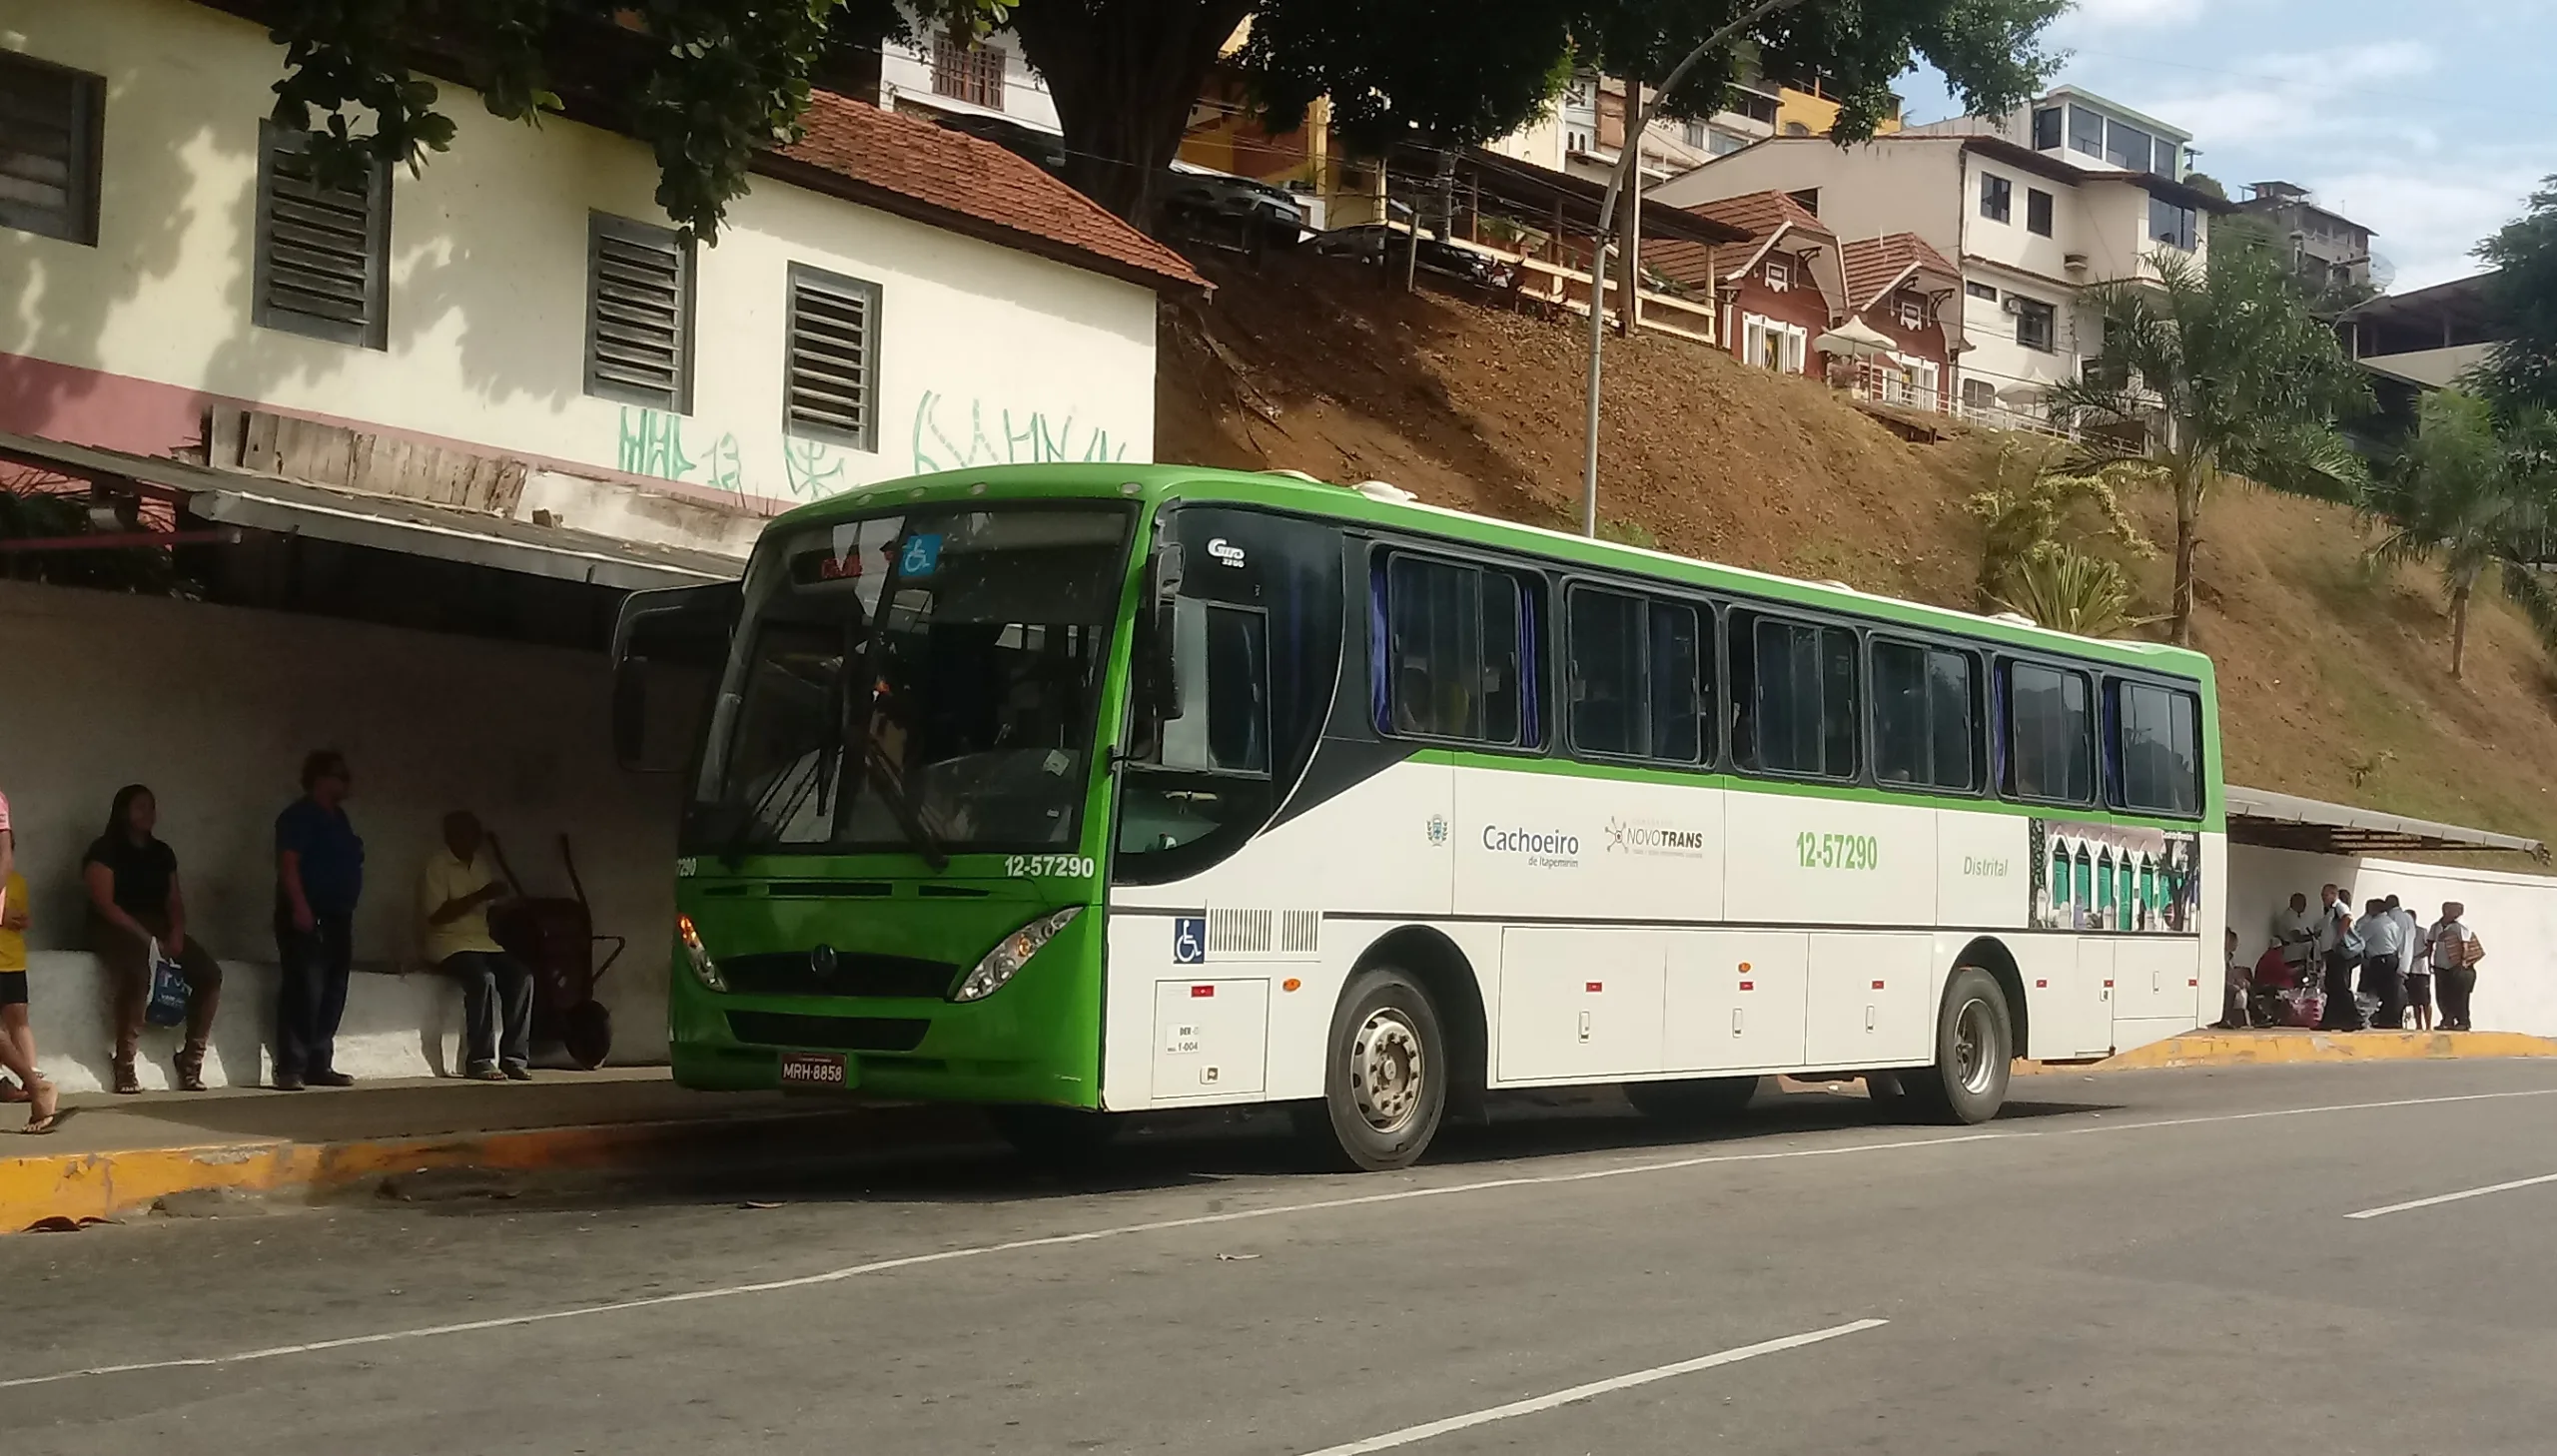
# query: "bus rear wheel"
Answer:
x=1975 y=1053
x=1385 y=1074
x=1691 y=1101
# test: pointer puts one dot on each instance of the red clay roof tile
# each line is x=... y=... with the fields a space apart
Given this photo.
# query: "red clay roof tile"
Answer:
x=1761 y=212
x=901 y=165
x=1874 y=264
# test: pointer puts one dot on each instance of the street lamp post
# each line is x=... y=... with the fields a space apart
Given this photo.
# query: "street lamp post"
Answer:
x=1629 y=157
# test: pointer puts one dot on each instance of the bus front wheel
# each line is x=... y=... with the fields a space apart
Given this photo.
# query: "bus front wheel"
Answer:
x=1975 y=1052
x=1384 y=1072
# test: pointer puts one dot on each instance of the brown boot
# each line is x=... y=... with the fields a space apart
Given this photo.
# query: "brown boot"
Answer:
x=128 y=1081
x=190 y=1065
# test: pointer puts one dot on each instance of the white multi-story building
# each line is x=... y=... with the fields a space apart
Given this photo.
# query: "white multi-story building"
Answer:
x=2029 y=229
x=1584 y=131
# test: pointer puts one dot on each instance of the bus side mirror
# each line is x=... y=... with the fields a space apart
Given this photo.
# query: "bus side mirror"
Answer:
x=668 y=650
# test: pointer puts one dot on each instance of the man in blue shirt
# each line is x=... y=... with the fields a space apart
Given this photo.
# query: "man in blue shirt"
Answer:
x=319 y=879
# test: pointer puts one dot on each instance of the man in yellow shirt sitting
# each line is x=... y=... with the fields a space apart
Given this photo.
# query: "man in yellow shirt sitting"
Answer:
x=454 y=897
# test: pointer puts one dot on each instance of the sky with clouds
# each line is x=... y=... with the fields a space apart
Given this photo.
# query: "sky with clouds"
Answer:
x=2428 y=123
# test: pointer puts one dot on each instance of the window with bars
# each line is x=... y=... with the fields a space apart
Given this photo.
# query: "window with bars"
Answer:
x=972 y=71
x=50 y=123
x=323 y=253
x=638 y=313
x=830 y=375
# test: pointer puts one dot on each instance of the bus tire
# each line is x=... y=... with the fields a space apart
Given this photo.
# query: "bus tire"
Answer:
x=1691 y=1101
x=1975 y=1053
x=1056 y=1139
x=1385 y=1072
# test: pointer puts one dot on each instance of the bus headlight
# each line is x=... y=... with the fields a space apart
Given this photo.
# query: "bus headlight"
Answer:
x=704 y=970
x=1011 y=954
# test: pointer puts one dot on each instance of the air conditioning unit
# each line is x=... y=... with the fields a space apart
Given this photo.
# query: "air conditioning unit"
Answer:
x=2011 y=303
x=2074 y=261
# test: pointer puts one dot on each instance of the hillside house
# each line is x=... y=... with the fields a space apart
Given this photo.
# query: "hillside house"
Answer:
x=2028 y=231
x=1778 y=288
x=2329 y=250
x=1910 y=293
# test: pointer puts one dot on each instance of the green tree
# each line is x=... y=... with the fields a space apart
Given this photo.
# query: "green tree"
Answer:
x=2470 y=495
x=706 y=82
x=2217 y=373
x=2204 y=182
x=2521 y=372
x=703 y=82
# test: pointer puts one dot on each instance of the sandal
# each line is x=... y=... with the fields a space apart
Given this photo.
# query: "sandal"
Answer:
x=128 y=1081
x=190 y=1065
x=43 y=1109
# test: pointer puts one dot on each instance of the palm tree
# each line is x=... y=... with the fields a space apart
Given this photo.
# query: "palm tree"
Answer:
x=2468 y=495
x=2219 y=371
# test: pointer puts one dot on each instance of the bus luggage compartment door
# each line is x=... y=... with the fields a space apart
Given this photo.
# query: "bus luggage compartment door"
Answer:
x=1212 y=1039
x=1578 y=1004
x=1736 y=999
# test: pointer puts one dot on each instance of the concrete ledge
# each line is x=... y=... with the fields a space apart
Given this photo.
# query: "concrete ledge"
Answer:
x=2279 y=1048
x=396 y=1026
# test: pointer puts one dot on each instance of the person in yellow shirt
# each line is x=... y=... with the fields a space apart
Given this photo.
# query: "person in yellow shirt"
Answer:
x=453 y=895
x=17 y=1038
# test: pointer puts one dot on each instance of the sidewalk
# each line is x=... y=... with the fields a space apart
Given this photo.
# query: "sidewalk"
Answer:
x=114 y=1157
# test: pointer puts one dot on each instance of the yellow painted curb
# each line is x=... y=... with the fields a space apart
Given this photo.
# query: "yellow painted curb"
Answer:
x=2271 y=1048
x=88 y=1186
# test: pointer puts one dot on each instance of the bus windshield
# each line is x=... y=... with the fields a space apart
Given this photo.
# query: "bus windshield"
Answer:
x=958 y=717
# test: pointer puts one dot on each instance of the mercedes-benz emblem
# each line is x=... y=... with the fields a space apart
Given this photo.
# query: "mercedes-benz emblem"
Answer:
x=821 y=962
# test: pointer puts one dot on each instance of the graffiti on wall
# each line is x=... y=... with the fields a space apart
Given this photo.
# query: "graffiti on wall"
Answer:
x=949 y=436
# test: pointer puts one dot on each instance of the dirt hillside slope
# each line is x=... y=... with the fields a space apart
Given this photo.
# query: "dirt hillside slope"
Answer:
x=2334 y=683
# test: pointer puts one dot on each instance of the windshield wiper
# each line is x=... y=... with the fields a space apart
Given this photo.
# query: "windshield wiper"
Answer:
x=818 y=773
x=901 y=804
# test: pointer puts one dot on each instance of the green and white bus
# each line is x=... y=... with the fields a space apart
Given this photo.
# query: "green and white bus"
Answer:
x=1080 y=790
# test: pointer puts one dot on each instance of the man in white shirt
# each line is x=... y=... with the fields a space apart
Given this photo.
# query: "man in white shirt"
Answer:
x=2420 y=965
x=2295 y=930
x=2339 y=955
x=2383 y=963
x=2456 y=953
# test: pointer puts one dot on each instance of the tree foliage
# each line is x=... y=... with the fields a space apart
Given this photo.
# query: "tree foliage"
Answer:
x=2217 y=373
x=2521 y=372
x=2472 y=495
x=703 y=83
x=2032 y=500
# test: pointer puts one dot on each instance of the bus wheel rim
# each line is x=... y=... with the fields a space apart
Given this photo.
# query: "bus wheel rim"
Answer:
x=1974 y=1060
x=1387 y=1071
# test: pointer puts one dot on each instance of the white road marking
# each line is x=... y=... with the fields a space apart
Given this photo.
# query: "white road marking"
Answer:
x=1410 y=1434
x=1159 y=1225
x=2441 y=1198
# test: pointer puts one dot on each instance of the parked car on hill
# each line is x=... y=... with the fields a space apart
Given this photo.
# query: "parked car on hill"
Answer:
x=1218 y=206
x=1375 y=242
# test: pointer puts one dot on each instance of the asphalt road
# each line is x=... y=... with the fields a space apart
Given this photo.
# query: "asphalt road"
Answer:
x=2137 y=1262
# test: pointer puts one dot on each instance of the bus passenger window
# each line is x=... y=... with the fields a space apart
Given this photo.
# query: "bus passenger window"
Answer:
x=1606 y=673
x=1454 y=653
x=1923 y=714
x=2159 y=756
x=1802 y=717
x=2050 y=728
x=1680 y=683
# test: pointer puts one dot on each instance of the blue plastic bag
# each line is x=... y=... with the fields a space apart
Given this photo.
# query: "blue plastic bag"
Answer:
x=168 y=1005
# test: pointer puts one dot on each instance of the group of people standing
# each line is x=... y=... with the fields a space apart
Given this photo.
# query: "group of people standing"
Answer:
x=2387 y=955
x=138 y=928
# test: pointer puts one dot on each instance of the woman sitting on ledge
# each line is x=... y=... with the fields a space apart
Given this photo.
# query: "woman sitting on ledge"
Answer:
x=134 y=903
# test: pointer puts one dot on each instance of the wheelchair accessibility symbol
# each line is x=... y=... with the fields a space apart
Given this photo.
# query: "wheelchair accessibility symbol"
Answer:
x=921 y=557
x=1188 y=940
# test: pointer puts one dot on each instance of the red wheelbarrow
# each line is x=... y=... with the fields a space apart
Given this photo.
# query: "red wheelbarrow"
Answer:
x=556 y=939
